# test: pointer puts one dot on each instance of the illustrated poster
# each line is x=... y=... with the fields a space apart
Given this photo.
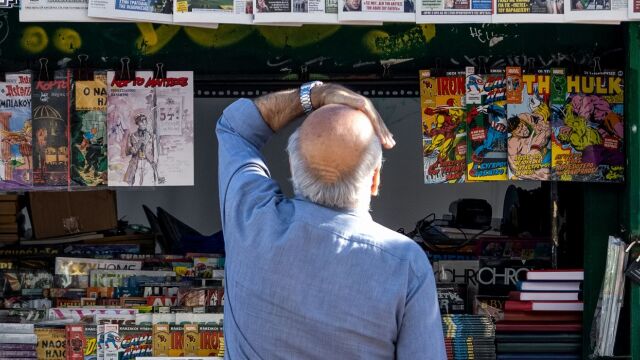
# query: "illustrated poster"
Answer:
x=529 y=127
x=486 y=127
x=15 y=132
x=443 y=128
x=58 y=11
x=150 y=125
x=453 y=11
x=588 y=137
x=88 y=132
x=49 y=111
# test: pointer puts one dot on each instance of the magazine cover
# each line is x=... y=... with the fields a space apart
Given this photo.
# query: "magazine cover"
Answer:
x=89 y=132
x=588 y=135
x=597 y=10
x=49 y=111
x=161 y=340
x=303 y=11
x=453 y=11
x=15 y=132
x=486 y=127
x=211 y=340
x=150 y=124
x=526 y=11
x=127 y=278
x=216 y=11
x=443 y=128
x=136 y=341
x=51 y=342
x=375 y=10
x=529 y=128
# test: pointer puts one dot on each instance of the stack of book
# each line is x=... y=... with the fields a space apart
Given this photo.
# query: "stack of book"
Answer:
x=17 y=341
x=543 y=320
x=8 y=219
x=469 y=337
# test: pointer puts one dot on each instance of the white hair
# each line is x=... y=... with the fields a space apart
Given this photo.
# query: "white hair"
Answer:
x=351 y=191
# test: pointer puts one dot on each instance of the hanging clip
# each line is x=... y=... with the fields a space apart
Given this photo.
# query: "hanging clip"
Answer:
x=596 y=64
x=44 y=69
x=160 y=73
x=531 y=65
x=633 y=243
x=125 y=73
x=83 y=71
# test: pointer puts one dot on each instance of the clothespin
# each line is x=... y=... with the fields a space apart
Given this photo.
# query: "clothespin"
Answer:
x=44 y=69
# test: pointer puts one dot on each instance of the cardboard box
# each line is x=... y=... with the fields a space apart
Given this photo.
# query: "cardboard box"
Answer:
x=55 y=214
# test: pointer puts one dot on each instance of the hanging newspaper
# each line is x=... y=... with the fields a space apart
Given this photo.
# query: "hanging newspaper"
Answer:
x=145 y=10
x=634 y=9
x=56 y=11
x=303 y=11
x=216 y=11
x=150 y=124
x=453 y=11
x=596 y=10
x=527 y=11
x=377 y=10
x=15 y=132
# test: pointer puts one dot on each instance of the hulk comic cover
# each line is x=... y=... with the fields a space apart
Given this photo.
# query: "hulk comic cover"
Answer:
x=529 y=128
x=588 y=129
x=486 y=126
x=49 y=100
x=443 y=128
x=15 y=131
x=88 y=132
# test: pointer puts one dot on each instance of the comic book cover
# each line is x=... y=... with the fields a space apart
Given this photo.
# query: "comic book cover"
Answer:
x=100 y=342
x=89 y=132
x=51 y=343
x=588 y=129
x=529 y=127
x=176 y=336
x=191 y=340
x=111 y=342
x=451 y=298
x=443 y=128
x=136 y=342
x=150 y=124
x=49 y=111
x=488 y=305
x=91 y=342
x=15 y=132
x=211 y=340
x=76 y=342
x=103 y=251
x=161 y=343
x=486 y=126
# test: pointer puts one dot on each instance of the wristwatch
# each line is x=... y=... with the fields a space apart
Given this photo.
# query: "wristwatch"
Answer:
x=305 y=95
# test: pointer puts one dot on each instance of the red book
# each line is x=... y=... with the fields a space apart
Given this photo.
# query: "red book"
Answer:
x=76 y=342
x=512 y=305
x=544 y=296
x=558 y=275
x=541 y=327
x=543 y=316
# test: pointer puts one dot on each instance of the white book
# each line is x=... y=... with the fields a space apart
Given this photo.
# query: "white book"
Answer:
x=549 y=296
x=549 y=286
x=559 y=275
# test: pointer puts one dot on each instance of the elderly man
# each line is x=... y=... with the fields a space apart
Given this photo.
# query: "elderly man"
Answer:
x=314 y=277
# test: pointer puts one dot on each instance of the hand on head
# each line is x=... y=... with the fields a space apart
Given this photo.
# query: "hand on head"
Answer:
x=328 y=94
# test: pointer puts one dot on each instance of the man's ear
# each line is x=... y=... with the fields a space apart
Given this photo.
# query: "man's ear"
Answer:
x=375 y=182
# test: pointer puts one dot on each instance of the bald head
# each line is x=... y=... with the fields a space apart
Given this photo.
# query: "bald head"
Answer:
x=333 y=140
x=337 y=151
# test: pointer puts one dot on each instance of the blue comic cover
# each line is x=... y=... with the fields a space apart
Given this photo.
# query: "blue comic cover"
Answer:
x=486 y=105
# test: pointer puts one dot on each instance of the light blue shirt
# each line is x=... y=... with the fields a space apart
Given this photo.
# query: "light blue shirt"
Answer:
x=308 y=282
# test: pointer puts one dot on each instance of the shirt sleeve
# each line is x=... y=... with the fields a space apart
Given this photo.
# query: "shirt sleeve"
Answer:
x=243 y=177
x=421 y=334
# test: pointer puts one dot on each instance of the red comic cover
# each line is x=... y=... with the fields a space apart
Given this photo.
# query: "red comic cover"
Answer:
x=76 y=342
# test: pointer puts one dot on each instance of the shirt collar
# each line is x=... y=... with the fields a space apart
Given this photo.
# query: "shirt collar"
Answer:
x=358 y=213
